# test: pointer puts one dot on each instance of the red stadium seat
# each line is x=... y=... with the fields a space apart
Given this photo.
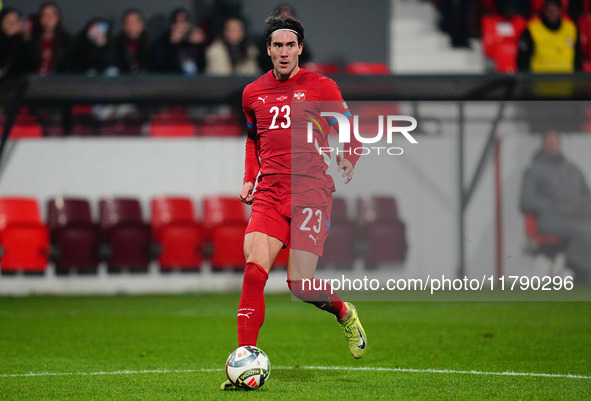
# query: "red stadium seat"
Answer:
x=322 y=68
x=180 y=129
x=24 y=239
x=382 y=232
x=126 y=236
x=120 y=128
x=73 y=234
x=584 y=25
x=20 y=131
x=506 y=58
x=177 y=231
x=339 y=248
x=214 y=125
x=83 y=123
x=548 y=246
x=498 y=31
x=531 y=230
x=367 y=69
x=174 y=122
x=225 y=221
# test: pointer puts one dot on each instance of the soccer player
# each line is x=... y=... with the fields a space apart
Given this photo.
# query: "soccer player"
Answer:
x=293 y=198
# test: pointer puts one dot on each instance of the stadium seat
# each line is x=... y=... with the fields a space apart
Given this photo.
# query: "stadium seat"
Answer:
x=83 y=123
x=219 y=126
x=126 y=238
x=584 y=25
x=339 y=248
x=180 y=129
x=120 y=128
x=544 y=246
x=24 y=239
x=20 y=131
x=225 y=221
x=506 y=58
x=381 y=231
x=322 y=68
x=73 y=234
x=172 y=123
x=25 y=125
x=178 y=233
x=367 y=69
x=500 y=37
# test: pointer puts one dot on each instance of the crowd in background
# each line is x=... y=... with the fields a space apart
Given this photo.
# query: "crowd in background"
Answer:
x=39 y=43
x=461 y=19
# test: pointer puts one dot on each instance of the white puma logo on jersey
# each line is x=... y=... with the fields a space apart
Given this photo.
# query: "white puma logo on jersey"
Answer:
x=314 y=239
x=263 y=99
x=244 y=314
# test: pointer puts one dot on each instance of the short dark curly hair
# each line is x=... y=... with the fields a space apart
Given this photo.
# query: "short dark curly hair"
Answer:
x=277 y=21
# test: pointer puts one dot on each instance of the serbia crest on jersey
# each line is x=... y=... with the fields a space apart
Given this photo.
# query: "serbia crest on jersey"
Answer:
x=299 y=95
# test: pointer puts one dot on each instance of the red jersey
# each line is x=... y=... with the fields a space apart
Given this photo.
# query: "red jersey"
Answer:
x=277 y=144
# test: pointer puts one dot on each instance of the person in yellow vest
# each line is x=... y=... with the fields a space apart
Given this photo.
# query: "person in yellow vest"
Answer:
x=550 y=43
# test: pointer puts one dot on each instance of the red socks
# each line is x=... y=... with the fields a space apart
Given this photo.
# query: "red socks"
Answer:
x=320 y=294
x=251 y=310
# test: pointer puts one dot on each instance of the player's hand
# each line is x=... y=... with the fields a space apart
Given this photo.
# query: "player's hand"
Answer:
x=346 y=166
x=246 y=193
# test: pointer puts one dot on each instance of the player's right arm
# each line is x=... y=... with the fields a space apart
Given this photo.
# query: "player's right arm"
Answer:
x=251 y=157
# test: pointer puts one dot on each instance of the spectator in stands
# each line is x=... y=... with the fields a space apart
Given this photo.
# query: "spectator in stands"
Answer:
x=133 y=47
x=51 y=44
x=181 y=50
x=550 y=44
x=232 y=53
x=14 y=57
x=555 y=191
x=264 y=60
x=455 y=20
x=94 y=49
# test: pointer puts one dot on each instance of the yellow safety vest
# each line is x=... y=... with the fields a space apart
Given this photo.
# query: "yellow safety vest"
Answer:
x=554 y=51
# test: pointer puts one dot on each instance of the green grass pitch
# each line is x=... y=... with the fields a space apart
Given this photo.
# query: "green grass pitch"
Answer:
x=174 y=348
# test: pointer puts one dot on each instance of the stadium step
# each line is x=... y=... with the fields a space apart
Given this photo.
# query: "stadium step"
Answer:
x=419 y=47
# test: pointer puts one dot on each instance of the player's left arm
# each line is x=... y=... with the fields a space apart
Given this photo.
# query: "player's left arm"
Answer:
x=346 y=162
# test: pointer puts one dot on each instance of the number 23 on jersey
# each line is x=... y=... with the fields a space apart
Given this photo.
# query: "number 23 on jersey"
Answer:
x=284 y=113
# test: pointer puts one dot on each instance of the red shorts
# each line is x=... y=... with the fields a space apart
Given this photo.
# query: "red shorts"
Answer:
x=301 y=221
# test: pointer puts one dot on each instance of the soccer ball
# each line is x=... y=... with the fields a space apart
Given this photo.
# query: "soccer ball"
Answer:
x=248 y=367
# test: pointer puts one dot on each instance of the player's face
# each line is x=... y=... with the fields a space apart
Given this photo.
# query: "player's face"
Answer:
x=284 y=51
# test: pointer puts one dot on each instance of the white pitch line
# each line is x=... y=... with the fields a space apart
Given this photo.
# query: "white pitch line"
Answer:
x=447 y=371
x=345 y=368
x=116 y=372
